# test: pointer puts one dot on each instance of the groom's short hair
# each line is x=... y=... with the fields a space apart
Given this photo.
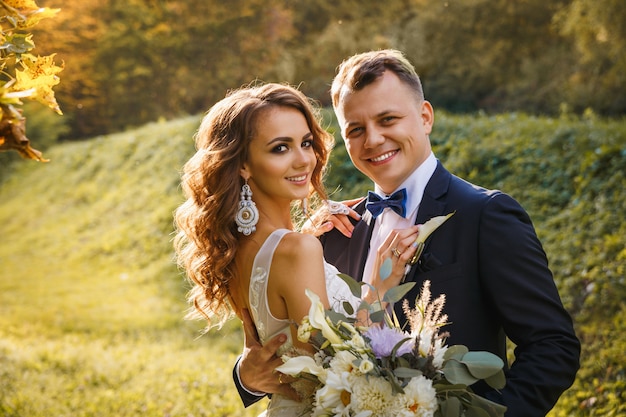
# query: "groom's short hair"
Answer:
x=360 y=70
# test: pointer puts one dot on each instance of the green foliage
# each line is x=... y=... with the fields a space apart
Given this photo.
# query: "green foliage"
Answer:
x=599 y=37
x=92 y=305
x=132 y=62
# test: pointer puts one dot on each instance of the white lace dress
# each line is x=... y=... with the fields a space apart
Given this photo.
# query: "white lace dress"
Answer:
x=268 y=326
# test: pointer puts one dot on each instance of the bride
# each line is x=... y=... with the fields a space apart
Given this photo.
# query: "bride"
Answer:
x=259 y=150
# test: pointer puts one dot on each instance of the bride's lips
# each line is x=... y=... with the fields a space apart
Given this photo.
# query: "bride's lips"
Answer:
x=299 y=179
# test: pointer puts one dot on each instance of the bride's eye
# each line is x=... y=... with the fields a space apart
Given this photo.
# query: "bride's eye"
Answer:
x=280 y=148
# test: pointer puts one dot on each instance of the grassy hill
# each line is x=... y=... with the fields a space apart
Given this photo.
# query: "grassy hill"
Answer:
x=91 y=303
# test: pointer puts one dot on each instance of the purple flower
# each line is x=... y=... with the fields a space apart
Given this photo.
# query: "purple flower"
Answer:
x=383 y=339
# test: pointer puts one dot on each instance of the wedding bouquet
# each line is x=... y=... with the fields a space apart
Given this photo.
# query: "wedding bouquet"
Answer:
x=384 y=370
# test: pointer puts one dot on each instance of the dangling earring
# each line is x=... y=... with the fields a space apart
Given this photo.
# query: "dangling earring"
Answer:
x=247 y=216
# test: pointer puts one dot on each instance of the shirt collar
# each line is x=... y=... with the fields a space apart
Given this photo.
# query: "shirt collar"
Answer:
x=415 y=184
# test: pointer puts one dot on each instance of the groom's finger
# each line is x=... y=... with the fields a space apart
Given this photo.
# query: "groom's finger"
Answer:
x=258 y=364
x=271 y=347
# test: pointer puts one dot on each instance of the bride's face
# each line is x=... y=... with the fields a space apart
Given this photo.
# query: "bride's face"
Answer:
x=281 y=157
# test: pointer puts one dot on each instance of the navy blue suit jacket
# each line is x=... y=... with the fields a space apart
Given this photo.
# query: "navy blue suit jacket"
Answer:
x=489 y=263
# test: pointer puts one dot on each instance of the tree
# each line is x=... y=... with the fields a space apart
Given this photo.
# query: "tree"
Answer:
x=483 y=54
x=598 y=32
x=24 y=75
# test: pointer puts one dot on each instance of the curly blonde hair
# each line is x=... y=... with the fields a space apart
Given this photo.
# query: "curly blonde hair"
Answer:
x=207 y=240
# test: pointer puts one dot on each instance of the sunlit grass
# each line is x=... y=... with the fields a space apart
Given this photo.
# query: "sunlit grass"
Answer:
x=92 y=305
x=164 y=373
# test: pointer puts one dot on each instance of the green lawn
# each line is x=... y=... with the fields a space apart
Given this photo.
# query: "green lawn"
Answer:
x=92 y=305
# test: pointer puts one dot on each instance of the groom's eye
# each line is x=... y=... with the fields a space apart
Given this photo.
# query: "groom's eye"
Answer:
x=355 y=132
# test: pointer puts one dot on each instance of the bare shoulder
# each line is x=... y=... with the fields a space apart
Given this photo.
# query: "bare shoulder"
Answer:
x=297 y=254
x=295 y=245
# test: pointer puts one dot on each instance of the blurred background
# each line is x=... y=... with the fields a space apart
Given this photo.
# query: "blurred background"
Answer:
x=530 y=97
x=134 y=61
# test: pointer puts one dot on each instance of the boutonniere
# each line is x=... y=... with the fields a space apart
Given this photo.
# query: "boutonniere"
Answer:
x=425 y=230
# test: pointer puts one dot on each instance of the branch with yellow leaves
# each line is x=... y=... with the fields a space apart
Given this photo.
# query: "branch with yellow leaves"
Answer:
x=22 y=74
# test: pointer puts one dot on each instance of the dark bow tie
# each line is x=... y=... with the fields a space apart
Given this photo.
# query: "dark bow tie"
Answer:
x=376 y=204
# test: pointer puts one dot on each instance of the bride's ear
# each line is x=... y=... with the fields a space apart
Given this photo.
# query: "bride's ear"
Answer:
x=244 y=172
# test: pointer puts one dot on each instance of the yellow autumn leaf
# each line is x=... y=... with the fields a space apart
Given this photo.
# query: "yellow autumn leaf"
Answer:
x=39 y=73
x=28 y=12
x=33 y=18
x=24 y=6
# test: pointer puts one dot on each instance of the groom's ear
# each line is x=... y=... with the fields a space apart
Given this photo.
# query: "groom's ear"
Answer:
x=428 y=116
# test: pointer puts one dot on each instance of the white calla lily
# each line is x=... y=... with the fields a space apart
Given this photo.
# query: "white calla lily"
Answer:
x=426 y=230
x=296 y=365
x=317 y=318
x=430 y=226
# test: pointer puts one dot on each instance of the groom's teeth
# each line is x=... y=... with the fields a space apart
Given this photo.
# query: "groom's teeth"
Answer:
x=382 y=157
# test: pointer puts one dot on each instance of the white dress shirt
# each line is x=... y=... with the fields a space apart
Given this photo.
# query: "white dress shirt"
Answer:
x=389 y=220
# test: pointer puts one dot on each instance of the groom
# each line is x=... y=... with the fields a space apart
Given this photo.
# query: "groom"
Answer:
x=486 y=258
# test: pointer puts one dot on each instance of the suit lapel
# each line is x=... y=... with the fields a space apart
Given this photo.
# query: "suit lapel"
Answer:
x=360 y=240
x=433 y=204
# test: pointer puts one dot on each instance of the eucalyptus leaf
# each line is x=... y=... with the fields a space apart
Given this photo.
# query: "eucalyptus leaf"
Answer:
x=399 y=345
x=457 y=373
x=395 y=294
x=364 y=305
x=450 y=407
x=335 y=317
x=402 y=372
x=482 y=364
x=491 y=408
x=403 y=363
x=377 y=316
x=497 y=380
x=441 y=387
x=355 y=287
x=385 y=269
x=348 y=307
x=455 y=352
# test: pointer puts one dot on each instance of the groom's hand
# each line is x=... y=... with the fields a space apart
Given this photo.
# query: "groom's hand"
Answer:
x=258 y=363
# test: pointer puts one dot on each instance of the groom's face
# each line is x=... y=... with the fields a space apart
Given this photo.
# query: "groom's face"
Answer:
x=385 y=128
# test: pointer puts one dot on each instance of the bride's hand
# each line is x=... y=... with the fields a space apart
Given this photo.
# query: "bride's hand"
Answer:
x=333 y=215
x=399 y=246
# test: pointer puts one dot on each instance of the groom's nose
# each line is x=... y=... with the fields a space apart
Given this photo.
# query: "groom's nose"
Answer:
x=373 y=137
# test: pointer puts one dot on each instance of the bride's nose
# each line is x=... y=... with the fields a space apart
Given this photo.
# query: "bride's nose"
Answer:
x=304 y=157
